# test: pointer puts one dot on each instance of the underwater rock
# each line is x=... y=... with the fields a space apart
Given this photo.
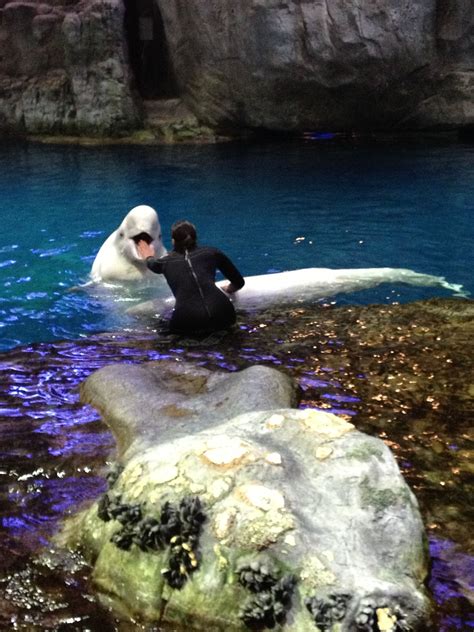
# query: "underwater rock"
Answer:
x=238 y=541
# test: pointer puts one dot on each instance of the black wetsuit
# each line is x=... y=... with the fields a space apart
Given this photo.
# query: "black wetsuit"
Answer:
x=200 y=305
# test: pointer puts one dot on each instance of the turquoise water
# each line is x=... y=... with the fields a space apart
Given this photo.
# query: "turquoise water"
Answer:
x=270 y=207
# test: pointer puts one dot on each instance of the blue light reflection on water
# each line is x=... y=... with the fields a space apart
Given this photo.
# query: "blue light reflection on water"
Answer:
x=338 y=206
x=448 y=566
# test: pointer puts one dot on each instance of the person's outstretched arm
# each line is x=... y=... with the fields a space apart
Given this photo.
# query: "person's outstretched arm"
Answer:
x=147 y=252
x=229 y=270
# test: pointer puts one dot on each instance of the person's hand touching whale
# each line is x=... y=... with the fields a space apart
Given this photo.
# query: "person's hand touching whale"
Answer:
x=145 y=249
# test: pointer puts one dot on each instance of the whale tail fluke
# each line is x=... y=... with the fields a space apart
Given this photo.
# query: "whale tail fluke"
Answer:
x=456 y=289
x=417 y=278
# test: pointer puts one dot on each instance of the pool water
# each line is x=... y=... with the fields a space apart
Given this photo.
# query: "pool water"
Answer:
x=271 y=208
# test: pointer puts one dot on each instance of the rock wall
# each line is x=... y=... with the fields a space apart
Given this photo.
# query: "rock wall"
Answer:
x=64 y=68
x=306 y=64
x=278 y=65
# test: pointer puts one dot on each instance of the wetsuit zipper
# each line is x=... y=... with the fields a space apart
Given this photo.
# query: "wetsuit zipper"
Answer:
x=188 y=261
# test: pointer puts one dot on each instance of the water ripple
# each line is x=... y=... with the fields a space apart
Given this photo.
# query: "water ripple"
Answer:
x=8 y=262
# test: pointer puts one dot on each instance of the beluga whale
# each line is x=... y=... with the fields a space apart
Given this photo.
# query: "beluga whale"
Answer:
x=296 y=286
x=307 y=284
x=118 y=259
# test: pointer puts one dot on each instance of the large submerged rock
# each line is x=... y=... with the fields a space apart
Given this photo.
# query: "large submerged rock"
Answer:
x=230 y=510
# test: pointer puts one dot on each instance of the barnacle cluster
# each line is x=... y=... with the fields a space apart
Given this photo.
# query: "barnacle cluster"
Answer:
x=182 y=562
x=185 y=524
x=112 y=475
x=111 y=507
x=367 y=617
x=272 y=598
x=178 y=528
x=328 y=611
x=372 y=615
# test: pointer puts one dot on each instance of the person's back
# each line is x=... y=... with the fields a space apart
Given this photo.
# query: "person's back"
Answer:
x=190 y=271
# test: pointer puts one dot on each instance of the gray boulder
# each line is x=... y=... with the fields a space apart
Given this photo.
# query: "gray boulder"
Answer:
x=277 y=517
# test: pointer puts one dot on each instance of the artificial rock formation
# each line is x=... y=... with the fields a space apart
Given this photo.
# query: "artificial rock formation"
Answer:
x=313 y=64
x=286 y=66
x=64 y=68
x=269 y=517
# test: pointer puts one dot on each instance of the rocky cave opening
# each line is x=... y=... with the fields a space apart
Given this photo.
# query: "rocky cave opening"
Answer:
x=148 y=50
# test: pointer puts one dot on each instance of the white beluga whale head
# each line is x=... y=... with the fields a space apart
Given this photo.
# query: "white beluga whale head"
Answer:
x=118 y=258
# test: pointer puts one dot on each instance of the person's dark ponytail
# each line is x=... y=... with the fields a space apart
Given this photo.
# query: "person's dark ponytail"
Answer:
x=184 y=236
x=188 y=242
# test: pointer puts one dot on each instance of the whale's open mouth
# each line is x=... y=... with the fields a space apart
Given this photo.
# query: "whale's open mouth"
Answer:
x=142 y=237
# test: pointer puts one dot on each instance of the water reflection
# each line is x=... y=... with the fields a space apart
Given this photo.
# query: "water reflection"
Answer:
x=399 y=372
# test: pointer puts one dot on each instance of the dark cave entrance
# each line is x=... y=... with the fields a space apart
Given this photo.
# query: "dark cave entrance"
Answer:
x=148 y=50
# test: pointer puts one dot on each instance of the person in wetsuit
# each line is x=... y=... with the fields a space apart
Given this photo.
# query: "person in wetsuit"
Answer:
x=190 y=270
